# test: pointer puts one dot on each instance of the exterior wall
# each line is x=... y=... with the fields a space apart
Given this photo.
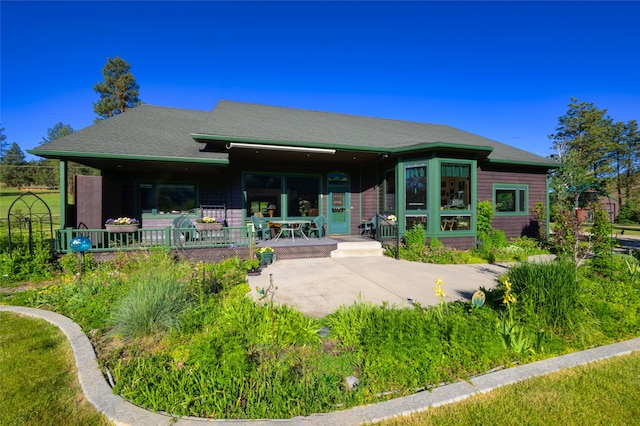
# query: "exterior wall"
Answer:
x=236 y=206
x=369 y=197
x=458 y=243
x=521 y=225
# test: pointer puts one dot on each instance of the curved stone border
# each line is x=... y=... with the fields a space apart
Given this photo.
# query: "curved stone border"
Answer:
x=121 y=412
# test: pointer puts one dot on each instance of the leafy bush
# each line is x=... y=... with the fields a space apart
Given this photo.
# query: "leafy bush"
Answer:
x=601 y=240
x=629 y=213
x=414 y=242
x=484 y=211
x=21 y=265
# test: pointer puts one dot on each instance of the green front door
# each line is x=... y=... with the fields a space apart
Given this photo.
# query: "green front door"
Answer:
x=338 y=203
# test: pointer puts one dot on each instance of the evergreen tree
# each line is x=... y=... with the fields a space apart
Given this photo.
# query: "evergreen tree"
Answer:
x=631 y=160
x=11 y=172
x=57 y=131
x=119 y=90
x=4 y=145
x=583 y=141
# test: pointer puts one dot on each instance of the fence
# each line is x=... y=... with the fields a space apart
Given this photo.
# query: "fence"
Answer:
x=145 y=238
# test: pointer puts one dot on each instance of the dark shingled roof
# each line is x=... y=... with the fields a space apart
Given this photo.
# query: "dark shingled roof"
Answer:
x=167 y=134
x=240 y=120
x=158 y=133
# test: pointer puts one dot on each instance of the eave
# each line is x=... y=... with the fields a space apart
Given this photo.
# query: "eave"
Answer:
x=103 y=156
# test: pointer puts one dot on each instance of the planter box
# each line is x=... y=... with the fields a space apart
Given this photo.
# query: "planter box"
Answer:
x=209 y=226
x=121 y=228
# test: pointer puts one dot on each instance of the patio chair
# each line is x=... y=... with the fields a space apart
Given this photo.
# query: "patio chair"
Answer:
x=260 y=228
x=369 y=226
x=318 y=226
x=183 y=227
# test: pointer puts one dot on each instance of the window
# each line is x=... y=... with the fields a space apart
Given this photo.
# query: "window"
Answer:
x=455 y=223
x=390 y=191
x=455 y=186
x=510 y=199
x=265 y=192
x=412 y=221
x=166 y=197
x=302 y=195
x=416 y=187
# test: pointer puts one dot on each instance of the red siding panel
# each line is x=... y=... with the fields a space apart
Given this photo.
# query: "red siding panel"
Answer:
x=513 y=226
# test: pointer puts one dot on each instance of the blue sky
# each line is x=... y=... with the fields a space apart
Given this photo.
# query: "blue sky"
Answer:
x=503 y=70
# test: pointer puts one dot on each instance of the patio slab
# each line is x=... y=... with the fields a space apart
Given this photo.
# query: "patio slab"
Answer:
x=319 y=286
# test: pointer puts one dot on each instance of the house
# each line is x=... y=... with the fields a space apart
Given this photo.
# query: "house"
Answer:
x=243 y=158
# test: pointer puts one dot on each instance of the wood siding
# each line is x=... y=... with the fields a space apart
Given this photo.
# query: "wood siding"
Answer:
x=514 y=226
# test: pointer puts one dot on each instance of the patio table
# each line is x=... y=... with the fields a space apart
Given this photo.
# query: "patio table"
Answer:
x=291 y=225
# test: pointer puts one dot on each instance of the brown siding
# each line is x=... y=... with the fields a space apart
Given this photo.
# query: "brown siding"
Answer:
x=369 y=188
x=513 y=226
x=459 y=243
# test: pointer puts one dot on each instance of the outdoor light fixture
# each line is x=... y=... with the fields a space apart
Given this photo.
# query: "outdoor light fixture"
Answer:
x=281 y=148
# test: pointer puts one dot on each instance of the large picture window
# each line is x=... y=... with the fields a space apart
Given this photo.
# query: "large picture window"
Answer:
x=510 y=199
x=166 y=198
x=455 y=186
x=264 y=195
x=263 y=191
x=302 y=195
x=416 y=187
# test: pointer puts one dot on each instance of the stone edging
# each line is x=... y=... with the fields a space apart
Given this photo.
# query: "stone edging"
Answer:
x=120 y=412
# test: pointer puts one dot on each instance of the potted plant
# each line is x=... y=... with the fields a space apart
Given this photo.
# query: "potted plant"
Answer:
x=253 y=267
x=266 y=254
x=207 y=223
x=391 y=218
x=122 y=224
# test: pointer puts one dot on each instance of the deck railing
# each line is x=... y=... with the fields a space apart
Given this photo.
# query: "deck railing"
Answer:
x=387 y=231
x=145 y=238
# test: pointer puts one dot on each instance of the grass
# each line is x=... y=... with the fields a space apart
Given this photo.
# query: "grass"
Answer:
x=604 y=392
x=51 y=198
x=276 y=365
x=38 y=376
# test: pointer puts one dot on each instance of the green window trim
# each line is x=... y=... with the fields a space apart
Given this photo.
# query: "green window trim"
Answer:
x=456 y=218
x=510 y=199
x=277 y=194
x=433 y=211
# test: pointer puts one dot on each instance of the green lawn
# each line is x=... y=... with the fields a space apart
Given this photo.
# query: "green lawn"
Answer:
x=38 y=376
x=51 y=198
x=605 y=392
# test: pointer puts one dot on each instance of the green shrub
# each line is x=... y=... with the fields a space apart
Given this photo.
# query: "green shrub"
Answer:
x=152 y=306
x=414 y=243
x=498 y=239
x=69 y=263
x=484 y=211
x=21 y=265
x=548 y=292
x=629 y=213
x=601 y=240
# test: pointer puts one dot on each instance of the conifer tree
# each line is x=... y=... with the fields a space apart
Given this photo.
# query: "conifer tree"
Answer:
x=119 y=90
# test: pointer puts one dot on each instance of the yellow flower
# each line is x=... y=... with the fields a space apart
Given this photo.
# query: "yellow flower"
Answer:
x=509 y=298
x=438 y=289
x=507 y=284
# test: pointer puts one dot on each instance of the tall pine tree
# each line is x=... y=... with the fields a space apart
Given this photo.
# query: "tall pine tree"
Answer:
x=583 y=142
x=57 y=131
x=119 y=90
